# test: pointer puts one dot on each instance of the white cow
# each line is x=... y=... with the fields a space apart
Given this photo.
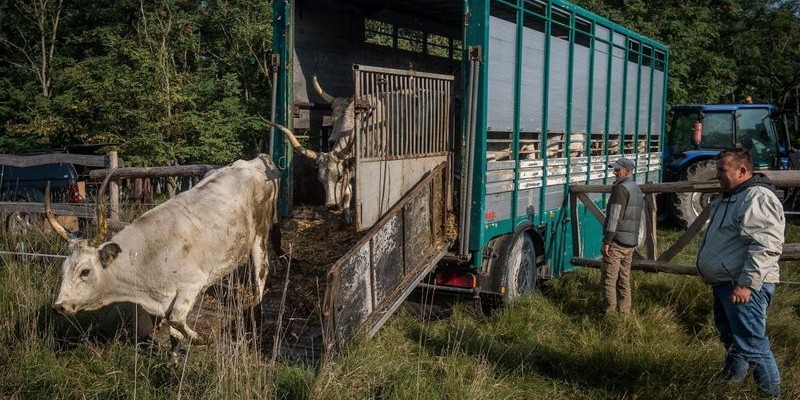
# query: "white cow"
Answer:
x=171 y=254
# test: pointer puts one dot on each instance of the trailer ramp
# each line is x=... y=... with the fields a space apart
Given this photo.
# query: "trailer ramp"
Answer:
x=371 y=280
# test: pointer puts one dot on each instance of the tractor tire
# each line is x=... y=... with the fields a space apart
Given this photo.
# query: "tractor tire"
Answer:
x=688 y=205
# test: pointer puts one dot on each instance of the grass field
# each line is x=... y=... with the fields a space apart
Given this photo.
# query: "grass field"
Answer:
x=551 y=345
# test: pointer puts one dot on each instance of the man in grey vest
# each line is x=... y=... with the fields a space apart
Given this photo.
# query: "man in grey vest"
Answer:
x=620 y=236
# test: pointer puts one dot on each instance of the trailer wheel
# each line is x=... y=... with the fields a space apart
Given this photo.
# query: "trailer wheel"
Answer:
x=519 y=263
x=514 y=272
x=688 y=205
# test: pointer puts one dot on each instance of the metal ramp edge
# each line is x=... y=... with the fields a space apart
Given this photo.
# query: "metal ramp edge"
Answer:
x=367 y=285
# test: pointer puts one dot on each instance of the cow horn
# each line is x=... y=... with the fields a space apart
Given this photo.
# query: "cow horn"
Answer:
x=51 y=218
x=328 y=98
x=293 y=140
x=102 y=224
x=343 y=146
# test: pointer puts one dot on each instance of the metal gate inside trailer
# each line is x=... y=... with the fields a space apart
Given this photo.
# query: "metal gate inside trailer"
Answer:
x=403 y=130
x=371 y=280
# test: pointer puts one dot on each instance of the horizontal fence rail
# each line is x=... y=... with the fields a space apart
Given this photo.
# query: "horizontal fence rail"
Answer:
x=81 y=210
x=651 y=261
x=154 y=172
x=30 y=161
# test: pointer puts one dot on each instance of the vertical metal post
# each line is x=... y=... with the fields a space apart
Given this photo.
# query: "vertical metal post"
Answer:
x=469 y=165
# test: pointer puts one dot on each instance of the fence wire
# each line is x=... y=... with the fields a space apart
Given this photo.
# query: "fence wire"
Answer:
x=19 y=253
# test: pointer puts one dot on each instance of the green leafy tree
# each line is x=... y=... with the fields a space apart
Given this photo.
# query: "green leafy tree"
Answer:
x=162 y=82
x=765 y=44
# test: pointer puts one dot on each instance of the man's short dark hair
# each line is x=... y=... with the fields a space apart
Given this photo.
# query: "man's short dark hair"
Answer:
x=739 y=155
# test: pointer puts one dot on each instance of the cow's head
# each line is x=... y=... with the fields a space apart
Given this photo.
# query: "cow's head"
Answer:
x=333 y=169
x=334 y=173
x=84 y=272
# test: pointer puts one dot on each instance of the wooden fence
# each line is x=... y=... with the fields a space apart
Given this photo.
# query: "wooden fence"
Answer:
x=649 y=259
x=104 y=164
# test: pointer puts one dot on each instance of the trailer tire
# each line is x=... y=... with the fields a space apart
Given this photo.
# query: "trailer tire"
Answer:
x=514 y=272
x=519 y=263
x=688 y=205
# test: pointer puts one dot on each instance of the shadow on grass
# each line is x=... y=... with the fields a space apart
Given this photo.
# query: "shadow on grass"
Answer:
x=579 y=295
x=598 y=371
x=119 y=320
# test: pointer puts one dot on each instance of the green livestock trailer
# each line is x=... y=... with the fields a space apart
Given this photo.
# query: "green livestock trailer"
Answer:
x=510 y=101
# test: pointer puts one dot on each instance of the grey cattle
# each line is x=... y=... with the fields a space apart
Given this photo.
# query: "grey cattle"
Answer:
x=335 y=168
x=167 y=257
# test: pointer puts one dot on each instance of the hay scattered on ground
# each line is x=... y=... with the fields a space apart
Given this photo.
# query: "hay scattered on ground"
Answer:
x=317 y=238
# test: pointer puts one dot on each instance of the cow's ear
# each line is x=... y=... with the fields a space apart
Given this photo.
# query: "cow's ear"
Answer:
x=108 y=253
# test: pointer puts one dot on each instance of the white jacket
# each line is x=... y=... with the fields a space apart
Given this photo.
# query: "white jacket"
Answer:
x=744 y=238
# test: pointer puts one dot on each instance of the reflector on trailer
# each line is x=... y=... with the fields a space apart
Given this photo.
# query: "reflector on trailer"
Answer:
x=457 y=279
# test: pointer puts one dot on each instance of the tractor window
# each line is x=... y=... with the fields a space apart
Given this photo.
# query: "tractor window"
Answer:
x=680 y=138
x=756 y=132
x=717 y=131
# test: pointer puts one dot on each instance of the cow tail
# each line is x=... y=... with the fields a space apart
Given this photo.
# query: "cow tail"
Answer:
x=274 y=177
x=275 y=232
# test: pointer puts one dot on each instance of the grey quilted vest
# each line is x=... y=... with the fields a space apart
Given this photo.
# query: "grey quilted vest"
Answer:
x=628 y=229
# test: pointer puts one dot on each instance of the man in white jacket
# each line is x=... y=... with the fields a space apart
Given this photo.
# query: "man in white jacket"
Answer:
x=738 y=257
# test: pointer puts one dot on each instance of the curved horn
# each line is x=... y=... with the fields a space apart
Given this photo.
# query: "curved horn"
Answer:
x=51 y=218
x=102 y=224
x=328 y=98
x=293 y=140
x=344 y=146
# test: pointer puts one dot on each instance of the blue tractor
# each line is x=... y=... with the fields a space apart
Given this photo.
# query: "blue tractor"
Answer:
x=697 y=133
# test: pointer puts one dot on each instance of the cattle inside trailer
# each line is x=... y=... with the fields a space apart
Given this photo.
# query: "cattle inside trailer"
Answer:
x=514 y=99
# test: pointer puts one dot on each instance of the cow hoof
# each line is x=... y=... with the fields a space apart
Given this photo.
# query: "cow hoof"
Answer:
x=199 y=341
x=148 y=347
x=178 y=356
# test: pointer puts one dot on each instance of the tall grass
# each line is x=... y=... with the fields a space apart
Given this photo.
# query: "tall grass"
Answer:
x=553 y=345
x=46 y=356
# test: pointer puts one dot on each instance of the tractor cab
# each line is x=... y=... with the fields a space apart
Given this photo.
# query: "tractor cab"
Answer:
x=702 y=131
x=697 y=133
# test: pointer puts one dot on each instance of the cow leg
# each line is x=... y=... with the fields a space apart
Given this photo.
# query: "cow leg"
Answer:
x=175 y=337
x=182 y=304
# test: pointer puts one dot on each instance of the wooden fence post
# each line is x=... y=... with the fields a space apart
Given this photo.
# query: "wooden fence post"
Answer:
x=651 y=213
x=113 y=188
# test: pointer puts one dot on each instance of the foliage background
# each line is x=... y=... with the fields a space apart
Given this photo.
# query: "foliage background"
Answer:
x=181 y=81
x=168 y=82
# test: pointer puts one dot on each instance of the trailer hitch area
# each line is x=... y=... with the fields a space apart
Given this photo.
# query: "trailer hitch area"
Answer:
x=489 y=252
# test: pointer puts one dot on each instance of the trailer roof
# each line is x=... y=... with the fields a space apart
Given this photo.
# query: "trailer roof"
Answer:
x=445 y=11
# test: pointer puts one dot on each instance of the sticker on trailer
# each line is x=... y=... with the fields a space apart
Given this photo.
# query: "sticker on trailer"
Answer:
x=527 y=174
x=556 y=161
x=531 y=164
x=530 y=184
